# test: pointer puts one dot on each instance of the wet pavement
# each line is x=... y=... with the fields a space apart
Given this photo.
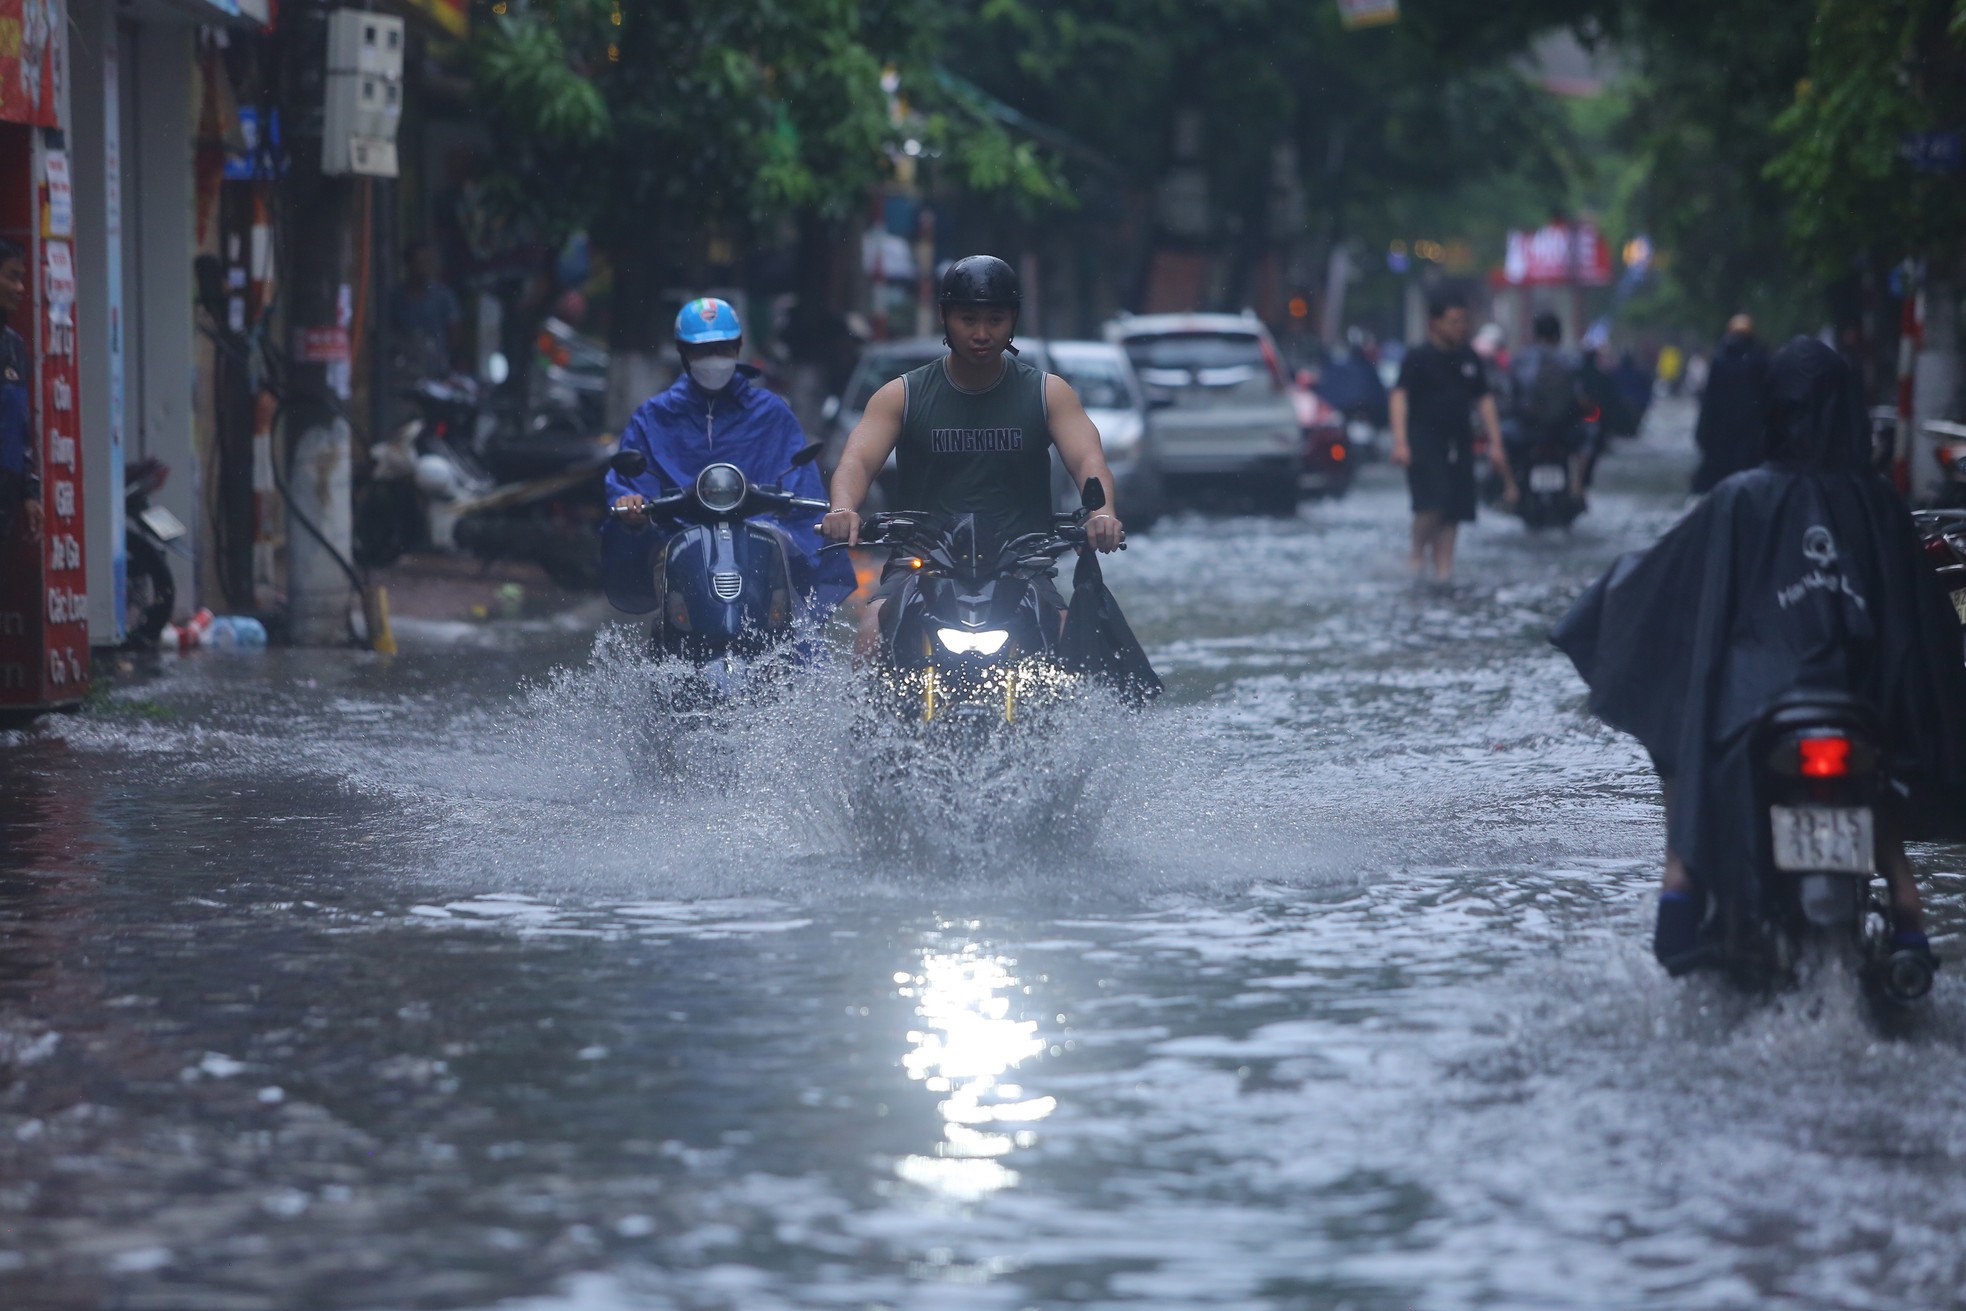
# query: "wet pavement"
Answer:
x=475 y=978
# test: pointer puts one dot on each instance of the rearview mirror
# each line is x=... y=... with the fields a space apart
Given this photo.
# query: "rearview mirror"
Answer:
x=629 y=464
x=808 y=455
x=1093 y=496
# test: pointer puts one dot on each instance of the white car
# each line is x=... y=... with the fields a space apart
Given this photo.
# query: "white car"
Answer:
x=1221 y=417
x=1117 y=405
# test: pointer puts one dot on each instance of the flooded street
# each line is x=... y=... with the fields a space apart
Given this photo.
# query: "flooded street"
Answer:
x=468 y=979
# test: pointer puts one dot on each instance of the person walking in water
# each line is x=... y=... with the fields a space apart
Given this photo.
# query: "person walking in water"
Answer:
x=1440 y=382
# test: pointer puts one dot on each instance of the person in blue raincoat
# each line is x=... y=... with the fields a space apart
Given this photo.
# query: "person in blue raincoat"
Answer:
x=715 y=413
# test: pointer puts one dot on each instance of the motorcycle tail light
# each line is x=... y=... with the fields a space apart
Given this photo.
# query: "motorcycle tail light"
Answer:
x=1596 y=415
x=1338 y=451
x=1824 y=757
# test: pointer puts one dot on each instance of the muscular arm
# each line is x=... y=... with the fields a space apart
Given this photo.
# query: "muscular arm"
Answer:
x=1084 y=456
x=867 y=448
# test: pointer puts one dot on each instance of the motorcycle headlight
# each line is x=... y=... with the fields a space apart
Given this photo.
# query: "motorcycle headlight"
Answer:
x=721 y=488
x=988 y=642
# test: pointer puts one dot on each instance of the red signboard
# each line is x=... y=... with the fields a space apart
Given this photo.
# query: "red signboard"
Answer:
x=1558 y=255
x=28 y=67
x=44 y=634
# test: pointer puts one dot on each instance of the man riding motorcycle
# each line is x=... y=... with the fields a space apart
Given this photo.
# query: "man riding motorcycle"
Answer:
x=715 y=413
x=1547 y=401
x=1803 y=573
x=971 y=432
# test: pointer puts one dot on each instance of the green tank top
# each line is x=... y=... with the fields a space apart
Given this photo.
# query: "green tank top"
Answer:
x=986 y=453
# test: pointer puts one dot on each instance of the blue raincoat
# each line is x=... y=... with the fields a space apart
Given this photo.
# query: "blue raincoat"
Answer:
x=683 y=429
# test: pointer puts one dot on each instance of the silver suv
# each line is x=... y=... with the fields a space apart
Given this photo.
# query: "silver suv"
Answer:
x=1222 y=414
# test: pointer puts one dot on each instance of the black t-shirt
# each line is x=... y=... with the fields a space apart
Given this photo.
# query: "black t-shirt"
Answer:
x=1440 y=386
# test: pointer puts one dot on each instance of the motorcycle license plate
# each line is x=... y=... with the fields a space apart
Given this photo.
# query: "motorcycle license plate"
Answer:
x=1826 y=839
x=1545 y=478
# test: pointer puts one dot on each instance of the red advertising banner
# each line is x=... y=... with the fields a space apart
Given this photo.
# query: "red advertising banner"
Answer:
x=1557 y=255
x=44 y=634
x=28 y=68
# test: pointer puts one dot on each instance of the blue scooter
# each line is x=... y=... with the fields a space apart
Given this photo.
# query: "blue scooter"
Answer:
x=728 y=583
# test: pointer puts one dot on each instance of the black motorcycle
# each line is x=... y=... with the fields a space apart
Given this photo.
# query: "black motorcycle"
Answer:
x=1545 y=498
x=1819 y=782
x=726 y=583
x=968 y=638
x=1942 y=536
x=150 y=593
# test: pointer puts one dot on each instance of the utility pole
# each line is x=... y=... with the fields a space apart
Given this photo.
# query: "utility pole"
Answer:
x=314 y=248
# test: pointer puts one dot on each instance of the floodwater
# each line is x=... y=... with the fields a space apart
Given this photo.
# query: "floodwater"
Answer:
x=477 y=978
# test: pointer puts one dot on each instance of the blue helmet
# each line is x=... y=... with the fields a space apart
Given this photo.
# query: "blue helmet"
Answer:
x=707 y=319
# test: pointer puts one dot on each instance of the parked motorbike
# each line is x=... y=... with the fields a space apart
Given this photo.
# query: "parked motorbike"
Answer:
x=462 y=476
x=150 y=593
x=570 y=375
x=1949 y=449
x=727 y=585
x=968 y=641
x=1942 y=536
x=1819 y=782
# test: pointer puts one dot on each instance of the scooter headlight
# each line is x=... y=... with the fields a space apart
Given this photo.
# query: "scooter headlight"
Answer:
x=721 y=488
x=988 y=642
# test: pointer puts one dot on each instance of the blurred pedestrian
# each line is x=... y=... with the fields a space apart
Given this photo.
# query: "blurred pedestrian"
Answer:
x=1440 y=380
x=1672 y=367
x=425 y=316
x=1729 y=433
x=20 y=485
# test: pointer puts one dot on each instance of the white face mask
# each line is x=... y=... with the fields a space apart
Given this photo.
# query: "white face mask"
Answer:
x=714 y=372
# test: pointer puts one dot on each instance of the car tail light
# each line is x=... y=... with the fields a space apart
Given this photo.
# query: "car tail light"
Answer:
x=1594 y=415
x=1824 y=757
x=1338 y=451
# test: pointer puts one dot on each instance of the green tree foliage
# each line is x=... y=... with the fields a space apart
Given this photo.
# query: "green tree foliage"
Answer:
x=1879 y=71
x=663 y=126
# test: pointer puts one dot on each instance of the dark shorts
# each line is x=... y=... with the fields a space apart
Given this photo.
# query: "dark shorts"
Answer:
x=1442 y=482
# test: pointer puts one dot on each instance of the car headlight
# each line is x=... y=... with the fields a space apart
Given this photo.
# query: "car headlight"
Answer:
x=988 y=642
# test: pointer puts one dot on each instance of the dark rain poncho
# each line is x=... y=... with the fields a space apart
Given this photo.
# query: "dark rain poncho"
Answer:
x=1098 y=642
x=1805 y=572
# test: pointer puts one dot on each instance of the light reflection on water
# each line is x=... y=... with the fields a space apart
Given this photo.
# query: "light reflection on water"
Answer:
x=970 y=1039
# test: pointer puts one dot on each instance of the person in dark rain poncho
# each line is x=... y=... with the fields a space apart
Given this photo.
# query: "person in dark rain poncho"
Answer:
x=1804 y=572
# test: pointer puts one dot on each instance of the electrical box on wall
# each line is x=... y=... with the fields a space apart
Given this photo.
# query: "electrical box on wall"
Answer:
x=365 y=93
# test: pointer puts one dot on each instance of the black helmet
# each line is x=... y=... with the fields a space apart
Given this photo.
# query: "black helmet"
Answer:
x=980 y=280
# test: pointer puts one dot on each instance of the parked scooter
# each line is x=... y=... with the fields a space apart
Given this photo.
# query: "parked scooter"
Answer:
x=728 y=584
x=1819 y=782
x=1942 y=536
x=460 y=476
x=967 y=641
x=150 y=593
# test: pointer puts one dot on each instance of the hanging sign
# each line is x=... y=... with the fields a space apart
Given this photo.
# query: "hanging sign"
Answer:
x=58 y=220
x=1557 y=255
